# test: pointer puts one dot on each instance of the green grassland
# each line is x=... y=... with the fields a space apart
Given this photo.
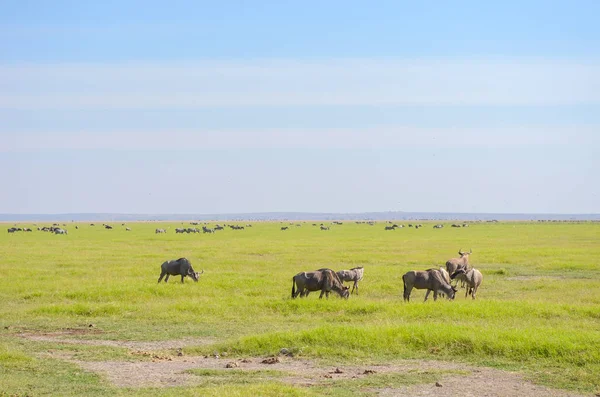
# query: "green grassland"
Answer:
x=538 y=310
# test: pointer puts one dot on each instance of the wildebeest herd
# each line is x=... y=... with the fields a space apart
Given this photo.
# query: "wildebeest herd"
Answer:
x=436 y=280
x=440 y=280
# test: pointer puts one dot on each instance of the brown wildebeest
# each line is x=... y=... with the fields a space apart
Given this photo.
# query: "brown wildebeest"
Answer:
x=181 y=266
x=431 y=280
x=472 y=278
x=324 y=280
x=454 y=264
x=355 y=274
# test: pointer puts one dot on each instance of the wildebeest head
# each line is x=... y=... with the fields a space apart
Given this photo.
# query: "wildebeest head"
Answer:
x=457 y=273
x=461 y=253
x=345 y=292
x=454 y=291
x=195 y=275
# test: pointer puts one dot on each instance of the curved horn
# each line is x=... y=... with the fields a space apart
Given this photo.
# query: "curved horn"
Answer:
x=460 y=251
x=202 y=271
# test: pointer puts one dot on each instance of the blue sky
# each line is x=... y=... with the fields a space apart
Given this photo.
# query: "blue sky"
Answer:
x=457 y=106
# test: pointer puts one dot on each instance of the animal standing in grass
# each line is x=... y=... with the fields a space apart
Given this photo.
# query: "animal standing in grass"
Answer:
x=355 y=274
x=431 y=280
x=324 y=280
x=472 y=278
x=181 y=266
x=454 y=264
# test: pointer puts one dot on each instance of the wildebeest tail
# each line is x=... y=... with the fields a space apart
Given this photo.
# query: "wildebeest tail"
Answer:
x=293 y=286
x=404 y=282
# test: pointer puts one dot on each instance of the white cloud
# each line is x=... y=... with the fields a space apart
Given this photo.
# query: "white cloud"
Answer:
x=299 y=83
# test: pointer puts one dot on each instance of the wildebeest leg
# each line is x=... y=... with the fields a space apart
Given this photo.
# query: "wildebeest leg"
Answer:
x=322 y=292
x=426 y=295
x=407 y=294
x=355 y=286
x=435 y=295
x=467 y=291
x=182 y=277
x=161 y=277
x=167 y=278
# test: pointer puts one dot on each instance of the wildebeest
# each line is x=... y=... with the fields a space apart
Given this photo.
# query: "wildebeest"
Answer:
x=472 y=279
x=431 y=280
x=445 y=275
x=284 y=228
x=181 y=266
x=324 y=227
x=179 y=230
x=459 y=263
x=160 y=231
x=107 y=226
x=355 y=274
x=60 y=231
x=207 y=230
x=324 y=280
x=126 y=229
x=438 y=226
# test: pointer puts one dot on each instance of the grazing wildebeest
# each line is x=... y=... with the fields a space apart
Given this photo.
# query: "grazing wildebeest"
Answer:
x=324 y=280
x=12 y=229
x=324 y=227
x=181 y=266
x=284 y=228
x=431 y=280
x=445 y=276
x=207 y=230
x=472 y=278
x=127 y=229
x=390 y=227
x=60 y=231
x=459 y=263
x=178 y=230
x=107 y=226
x=438 y=226
x=355 y=274
x=160 y=231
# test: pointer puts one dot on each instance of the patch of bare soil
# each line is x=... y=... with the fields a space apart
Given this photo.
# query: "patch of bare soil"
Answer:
x=172 y=370
x=480 y=382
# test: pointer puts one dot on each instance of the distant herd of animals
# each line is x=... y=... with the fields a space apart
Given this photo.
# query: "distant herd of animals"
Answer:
x=56 y=229
x=326 y=280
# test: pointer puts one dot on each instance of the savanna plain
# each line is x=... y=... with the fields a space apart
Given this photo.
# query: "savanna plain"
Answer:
x=83 y=314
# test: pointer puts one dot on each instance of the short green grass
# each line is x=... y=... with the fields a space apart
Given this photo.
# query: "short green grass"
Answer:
x=538 y=310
